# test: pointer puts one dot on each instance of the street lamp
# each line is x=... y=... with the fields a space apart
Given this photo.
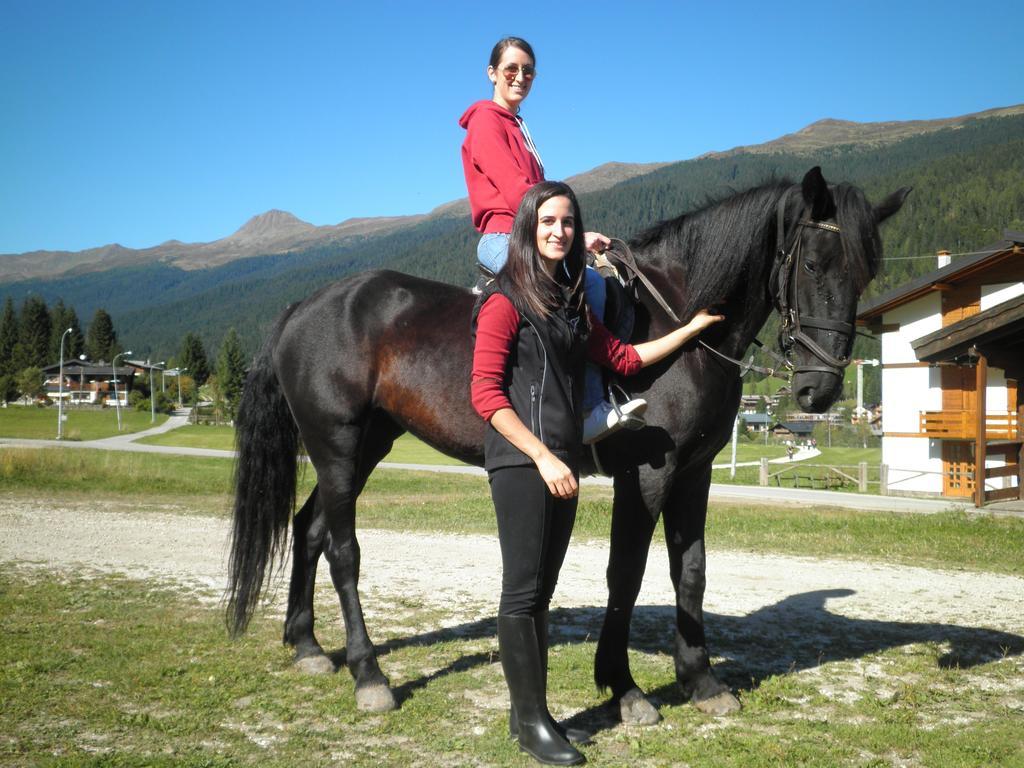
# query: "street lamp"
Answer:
x=60 y=389
x=152 y=394
x=180 y=371
x=81 y=379
x=117 y=398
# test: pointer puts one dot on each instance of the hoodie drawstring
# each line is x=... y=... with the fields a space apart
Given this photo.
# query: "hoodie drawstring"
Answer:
x=529 y=142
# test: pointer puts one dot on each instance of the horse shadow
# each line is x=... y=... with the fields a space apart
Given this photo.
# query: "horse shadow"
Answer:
x=794 y=634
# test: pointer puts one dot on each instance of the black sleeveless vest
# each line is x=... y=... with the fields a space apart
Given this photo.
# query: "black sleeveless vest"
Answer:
x=544 y=382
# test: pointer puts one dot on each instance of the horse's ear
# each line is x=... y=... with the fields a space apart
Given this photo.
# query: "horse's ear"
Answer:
x=816 y=195
x=891 y=204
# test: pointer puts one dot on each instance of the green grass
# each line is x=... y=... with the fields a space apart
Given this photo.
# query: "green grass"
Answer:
x=407 y=449
x=195 y=436
x=33 y=423
x=106 y=671
x=749 y=451
x=410 y=450
x=425 y=501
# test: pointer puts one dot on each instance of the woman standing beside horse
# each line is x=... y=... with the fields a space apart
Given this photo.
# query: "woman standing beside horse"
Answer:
x=501 y=162
x=533 y=334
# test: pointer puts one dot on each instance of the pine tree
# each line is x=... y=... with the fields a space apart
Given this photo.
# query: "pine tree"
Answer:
x=62 y=319
x=231 y=371
x=75 y=343
x=34 y=334
x=101 y=340
x=8 y=338
x=193 y=357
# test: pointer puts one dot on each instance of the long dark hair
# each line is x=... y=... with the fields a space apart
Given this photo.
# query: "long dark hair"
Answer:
x=523 y=278
x=510 y=42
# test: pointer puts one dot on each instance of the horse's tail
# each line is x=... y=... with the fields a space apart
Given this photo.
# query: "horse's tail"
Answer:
x=267 y=441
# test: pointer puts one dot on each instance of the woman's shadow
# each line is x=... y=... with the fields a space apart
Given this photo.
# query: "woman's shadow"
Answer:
x=794 y=634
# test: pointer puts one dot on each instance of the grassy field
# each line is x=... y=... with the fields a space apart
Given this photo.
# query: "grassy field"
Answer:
x=410 y=450
x=407 y=449
x=105 y=671
x=425 y=501
x=101 y=670
x=220 y=438
x=41 y=423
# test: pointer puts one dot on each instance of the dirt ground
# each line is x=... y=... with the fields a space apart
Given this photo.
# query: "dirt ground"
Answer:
x=460 y=574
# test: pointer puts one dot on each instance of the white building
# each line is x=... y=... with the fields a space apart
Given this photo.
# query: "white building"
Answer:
x=952 y=355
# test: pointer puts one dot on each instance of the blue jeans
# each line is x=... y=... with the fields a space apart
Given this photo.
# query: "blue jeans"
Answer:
x=492 y=252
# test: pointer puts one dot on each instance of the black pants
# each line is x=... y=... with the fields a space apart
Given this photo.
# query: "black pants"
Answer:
x=533 y=529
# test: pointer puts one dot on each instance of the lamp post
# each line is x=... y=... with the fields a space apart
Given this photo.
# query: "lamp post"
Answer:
x=60 y=389
x=152 y=394
x=81 y=379
x=117 y=398
x=180 y=371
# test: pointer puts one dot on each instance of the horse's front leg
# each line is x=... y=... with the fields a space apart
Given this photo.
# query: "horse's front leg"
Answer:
x=338 y=484
x=684 y=516
x=632 y=529
x=308 y=533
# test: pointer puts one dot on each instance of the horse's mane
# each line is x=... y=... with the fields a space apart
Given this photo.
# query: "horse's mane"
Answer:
x=730 y=238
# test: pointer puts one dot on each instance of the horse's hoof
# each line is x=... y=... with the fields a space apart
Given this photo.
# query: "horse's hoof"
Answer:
x=318 y=664
x=635 y=709
x=722 y=704
x=375 y=698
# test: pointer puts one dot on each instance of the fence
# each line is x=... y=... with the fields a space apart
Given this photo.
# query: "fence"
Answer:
x=862 y=476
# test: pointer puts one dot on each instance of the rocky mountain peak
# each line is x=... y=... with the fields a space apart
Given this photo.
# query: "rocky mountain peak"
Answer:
x=271 y=225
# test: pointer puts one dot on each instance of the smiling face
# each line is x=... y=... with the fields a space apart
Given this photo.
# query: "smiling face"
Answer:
x=556 y=227
x=512 y=78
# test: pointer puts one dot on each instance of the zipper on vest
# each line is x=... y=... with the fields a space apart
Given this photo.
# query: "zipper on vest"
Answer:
x=543 y=378
x=533 y=407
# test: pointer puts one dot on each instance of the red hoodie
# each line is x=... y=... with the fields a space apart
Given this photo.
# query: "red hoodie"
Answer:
x=498 y=164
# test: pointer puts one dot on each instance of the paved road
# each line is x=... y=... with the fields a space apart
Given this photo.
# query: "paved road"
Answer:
x=719 y=491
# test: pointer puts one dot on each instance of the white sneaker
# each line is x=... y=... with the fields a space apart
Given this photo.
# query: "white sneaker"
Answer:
x=603 y=420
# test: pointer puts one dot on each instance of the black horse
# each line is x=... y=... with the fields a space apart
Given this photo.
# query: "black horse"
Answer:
x=366 y=359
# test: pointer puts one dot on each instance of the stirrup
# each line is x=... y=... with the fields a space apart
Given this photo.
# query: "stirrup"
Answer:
x=631 y=421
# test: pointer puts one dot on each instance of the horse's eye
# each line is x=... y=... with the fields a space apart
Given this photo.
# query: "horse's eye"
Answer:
x=810 y=266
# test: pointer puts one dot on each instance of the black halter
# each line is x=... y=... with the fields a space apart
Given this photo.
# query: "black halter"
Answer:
x=785 y=275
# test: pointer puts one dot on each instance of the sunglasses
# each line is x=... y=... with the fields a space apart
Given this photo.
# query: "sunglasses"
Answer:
x=511 y=72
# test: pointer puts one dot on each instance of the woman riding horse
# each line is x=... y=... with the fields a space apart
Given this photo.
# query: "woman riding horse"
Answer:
x=501 y=162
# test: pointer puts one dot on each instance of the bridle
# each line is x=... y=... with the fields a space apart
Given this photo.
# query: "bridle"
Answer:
x=785 y=276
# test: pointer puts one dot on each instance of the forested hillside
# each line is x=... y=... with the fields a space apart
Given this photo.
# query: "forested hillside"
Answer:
x=968 y=186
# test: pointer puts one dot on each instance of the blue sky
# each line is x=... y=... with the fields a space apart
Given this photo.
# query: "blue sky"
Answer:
x=137 y=122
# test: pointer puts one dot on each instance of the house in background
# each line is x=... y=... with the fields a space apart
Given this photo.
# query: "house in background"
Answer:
x=952 y=358
x=88 y=383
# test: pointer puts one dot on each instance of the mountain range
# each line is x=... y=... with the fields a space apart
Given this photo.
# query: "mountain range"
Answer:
x=279 y=232
x=968 y=175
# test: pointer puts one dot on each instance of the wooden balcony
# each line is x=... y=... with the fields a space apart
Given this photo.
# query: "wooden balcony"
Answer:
x=962 y=425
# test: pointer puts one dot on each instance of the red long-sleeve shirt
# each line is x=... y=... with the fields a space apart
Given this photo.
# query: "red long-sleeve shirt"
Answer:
x=496 y=328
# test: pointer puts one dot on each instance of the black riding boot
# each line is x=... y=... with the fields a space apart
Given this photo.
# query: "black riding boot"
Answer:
x=572 y=735
x=524 y=675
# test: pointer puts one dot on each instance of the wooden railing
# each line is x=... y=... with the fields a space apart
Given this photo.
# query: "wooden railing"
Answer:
x=962 y=425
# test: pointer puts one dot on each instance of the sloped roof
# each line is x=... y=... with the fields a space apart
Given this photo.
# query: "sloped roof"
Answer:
x=1008 y=250
x=997 y=333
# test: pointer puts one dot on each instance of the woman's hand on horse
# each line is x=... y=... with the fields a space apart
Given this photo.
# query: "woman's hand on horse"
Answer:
x=558 y=477
x=704 y=319
x=595 y=242
x=657 y=349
